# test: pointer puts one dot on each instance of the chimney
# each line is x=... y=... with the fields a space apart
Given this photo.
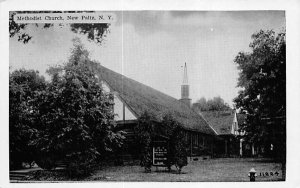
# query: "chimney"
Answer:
x=185 y=89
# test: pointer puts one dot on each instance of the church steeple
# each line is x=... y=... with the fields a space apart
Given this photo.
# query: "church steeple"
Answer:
x=185 y=77
x=185 y=88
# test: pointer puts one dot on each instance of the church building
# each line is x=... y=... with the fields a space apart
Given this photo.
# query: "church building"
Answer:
x=132 y=99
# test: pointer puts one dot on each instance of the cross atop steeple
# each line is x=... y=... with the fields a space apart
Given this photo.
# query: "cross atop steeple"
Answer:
x=185 y=77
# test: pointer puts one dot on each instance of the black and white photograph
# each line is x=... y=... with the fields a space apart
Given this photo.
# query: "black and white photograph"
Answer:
x=147 y=96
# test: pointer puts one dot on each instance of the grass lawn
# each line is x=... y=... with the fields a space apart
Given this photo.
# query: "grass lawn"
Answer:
x=225 y=169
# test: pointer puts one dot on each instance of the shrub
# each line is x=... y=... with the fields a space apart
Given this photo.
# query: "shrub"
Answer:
x=179 y=149
x=169 y=128
x=46 y=162
x=80 y=165
x=177 y=153
x=145 y=130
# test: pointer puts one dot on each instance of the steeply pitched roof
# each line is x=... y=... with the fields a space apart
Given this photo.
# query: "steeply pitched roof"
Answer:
x=140 y=98
x=220 y=121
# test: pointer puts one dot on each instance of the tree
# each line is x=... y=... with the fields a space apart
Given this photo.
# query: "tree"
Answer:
x=215 y=104
x=23 y=87
x=94 y=31
x=200 y=105
x=262 y=79
x=75 y=116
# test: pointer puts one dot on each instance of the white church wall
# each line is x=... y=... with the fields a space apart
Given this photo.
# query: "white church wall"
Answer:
x=234 y=127
x=105 y=87
x=118 y=107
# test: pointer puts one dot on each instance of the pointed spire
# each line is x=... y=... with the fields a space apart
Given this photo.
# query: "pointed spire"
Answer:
x=185 y=77
x=185 y=88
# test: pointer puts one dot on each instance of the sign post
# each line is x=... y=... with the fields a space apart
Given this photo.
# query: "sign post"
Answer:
x=160 y=153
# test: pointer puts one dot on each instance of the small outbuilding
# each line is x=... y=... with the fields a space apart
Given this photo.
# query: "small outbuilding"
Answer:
x=227 y=125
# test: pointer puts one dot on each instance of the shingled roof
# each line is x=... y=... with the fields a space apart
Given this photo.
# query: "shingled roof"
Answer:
x=221 y=121
x=140 y=98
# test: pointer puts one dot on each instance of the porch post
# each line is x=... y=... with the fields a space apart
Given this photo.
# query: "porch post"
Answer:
x=253 y=152
x=241 y=147
x=191 y=146
x=226 y=152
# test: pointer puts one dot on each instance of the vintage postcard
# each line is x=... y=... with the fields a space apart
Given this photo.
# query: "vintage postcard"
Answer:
x=148 y=95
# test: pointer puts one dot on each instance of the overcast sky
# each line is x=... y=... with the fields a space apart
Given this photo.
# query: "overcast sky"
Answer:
x=152 y=46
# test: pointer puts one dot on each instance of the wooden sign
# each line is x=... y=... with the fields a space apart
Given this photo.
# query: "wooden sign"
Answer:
x=160 y=152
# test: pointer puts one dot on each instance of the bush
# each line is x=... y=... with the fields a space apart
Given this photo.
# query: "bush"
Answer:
x=147 y=155
x=80 y=165
x=177 y=154
x=47 y=163
x=145 y=131
x=169 y=128
x=179 y=149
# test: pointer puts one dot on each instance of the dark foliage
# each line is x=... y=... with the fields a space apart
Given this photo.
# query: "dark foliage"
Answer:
x=46 y=161
x=215 y=104
x=76 y=115
x=148 y=130
x=179 y=149
x=177 y=153
x=145 y=131
x=70 y=118
x=24 y=85
x=263 y=96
